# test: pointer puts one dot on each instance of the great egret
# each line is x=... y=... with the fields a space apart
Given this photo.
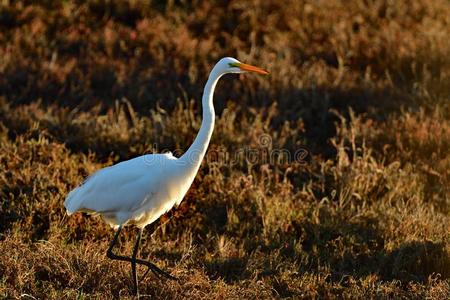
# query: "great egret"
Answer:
x=138 y=191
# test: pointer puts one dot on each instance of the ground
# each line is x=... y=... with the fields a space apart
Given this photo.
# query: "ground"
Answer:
x=330 y=178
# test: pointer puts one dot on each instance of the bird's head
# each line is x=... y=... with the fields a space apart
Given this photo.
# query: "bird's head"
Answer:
x=232 y=65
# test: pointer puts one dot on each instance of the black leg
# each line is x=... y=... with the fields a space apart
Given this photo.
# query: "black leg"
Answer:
x=109 y=253
x=133 y=260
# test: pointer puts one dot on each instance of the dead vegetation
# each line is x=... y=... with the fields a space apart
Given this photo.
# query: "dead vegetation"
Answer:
x=363 y=86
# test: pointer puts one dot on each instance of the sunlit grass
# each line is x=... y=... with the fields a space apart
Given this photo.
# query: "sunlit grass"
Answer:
x=363 y=88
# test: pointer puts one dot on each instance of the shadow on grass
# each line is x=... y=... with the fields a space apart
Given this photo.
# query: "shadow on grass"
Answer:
x=416 y=261
x=349 y=250
x=312 y=105
x=229 y=269
x=409 y=262
x=358 y=250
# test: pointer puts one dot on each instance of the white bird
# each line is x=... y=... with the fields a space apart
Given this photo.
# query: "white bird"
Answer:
x=138 y=191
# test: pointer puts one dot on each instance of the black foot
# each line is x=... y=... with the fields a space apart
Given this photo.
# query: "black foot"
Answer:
x=157 y=271
x=135 y=261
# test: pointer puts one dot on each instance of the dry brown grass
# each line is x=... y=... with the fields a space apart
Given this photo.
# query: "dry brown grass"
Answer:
x=362 y=85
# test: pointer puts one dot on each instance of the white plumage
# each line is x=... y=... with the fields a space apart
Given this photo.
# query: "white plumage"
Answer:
x=138 y=191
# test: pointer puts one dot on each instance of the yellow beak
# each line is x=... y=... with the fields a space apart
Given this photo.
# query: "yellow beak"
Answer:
x=250 y=68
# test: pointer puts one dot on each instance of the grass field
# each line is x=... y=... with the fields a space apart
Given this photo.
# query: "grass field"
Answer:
x=361 y=88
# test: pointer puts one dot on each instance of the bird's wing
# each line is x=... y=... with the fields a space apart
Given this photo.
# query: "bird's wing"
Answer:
x=122 y=187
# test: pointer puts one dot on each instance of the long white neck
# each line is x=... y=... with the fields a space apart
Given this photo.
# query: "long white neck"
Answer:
x=193 y=157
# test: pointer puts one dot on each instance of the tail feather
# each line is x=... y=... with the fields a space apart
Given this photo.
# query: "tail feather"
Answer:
x=72 y=202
